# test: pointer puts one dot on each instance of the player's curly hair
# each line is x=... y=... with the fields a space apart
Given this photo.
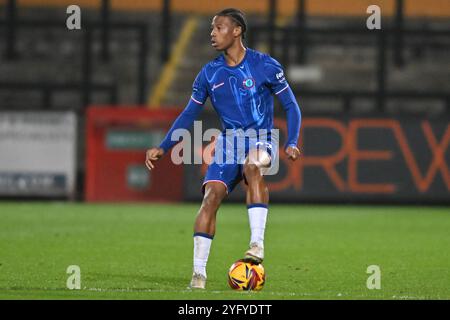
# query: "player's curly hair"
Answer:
x=237 y=16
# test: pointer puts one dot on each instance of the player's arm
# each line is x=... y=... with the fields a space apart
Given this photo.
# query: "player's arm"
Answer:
x=184 y=120
x=281 y=88
x=294 y=119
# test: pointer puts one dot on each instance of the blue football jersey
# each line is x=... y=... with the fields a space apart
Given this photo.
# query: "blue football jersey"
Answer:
x=242 y=95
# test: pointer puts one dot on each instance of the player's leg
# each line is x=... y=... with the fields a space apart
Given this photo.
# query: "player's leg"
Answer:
x=205 y=222
x=204 y=230
x=257 y=201
x=256 y=162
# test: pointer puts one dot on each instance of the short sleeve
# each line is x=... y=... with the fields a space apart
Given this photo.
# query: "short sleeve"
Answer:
x=199 y=88
x=275 y=75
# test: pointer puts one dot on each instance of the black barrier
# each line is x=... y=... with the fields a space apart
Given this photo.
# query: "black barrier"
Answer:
x=367 y=159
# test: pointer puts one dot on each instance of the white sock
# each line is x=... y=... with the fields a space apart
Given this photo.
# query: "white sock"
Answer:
x=202 y=244
x=257 y=216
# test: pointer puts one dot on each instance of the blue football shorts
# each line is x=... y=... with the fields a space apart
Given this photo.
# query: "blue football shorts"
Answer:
x=229 y=158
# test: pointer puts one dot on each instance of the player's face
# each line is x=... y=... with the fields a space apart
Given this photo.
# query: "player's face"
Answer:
x=223 y=33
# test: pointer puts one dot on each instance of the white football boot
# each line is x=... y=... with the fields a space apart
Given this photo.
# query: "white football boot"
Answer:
x=255 y=254
x=198 y=281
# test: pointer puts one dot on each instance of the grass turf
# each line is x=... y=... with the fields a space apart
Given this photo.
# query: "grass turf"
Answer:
x=135 y=251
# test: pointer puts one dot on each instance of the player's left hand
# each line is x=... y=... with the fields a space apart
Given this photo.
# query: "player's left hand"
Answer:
x=293 y=153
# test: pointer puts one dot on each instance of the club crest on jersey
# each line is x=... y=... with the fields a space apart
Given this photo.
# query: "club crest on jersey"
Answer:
x=248 y=83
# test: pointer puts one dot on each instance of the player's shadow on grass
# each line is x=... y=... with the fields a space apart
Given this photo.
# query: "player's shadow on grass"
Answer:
x=149 y=281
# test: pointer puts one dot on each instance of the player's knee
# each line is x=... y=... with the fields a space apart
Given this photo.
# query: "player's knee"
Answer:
x=211 y=202
x=212 y=198
x=251 y=171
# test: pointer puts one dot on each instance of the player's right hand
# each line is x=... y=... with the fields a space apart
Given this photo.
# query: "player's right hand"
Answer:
x=151 y=156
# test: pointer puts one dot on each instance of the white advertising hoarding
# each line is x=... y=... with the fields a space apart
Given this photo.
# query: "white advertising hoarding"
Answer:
x=37 y=153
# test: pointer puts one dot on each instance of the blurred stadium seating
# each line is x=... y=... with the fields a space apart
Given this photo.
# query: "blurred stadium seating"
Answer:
x=48 y=67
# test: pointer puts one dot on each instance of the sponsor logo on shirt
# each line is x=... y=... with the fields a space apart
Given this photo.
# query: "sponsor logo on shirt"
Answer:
x=280 y=77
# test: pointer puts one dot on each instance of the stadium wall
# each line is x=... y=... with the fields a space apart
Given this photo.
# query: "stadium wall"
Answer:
x=358 y=159
x=38 y=154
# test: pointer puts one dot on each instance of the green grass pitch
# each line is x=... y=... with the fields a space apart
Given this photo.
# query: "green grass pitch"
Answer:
x=134 y=251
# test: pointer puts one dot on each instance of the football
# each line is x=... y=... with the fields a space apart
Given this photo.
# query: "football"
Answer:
x=246 y=276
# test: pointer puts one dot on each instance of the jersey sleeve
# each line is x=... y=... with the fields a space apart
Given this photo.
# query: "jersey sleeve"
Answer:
x=275 y=78
x=280 y=87
x=199 y=88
